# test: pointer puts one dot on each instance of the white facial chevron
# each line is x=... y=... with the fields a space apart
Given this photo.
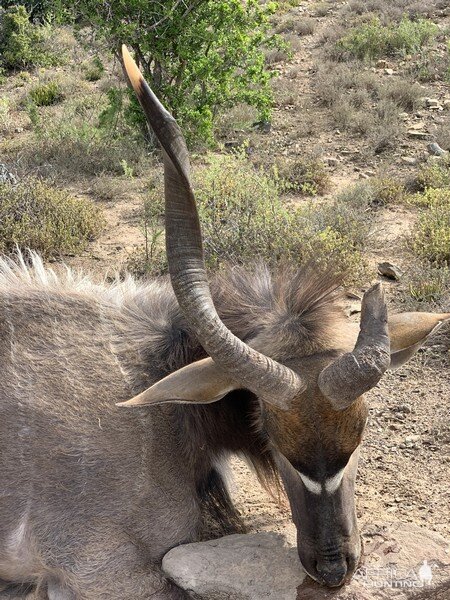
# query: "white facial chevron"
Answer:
x=313 y=486
x=333 y=483
x=330 y=485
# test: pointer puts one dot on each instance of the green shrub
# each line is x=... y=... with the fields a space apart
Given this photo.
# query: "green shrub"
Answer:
x=35 y=215
x=434 y=174
x=22 y=43
x=373 y=40
x=47 y=94
x=431 y=197
x=200 y=60
x=306 y=175
x=243 y=217
x=429 y=285
x=44 y=11
x=430 y=239
x=94 y=70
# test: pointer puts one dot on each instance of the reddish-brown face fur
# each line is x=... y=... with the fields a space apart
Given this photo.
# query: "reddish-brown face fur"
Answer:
x=319 y=443
x=297 y=319
x=312 y=429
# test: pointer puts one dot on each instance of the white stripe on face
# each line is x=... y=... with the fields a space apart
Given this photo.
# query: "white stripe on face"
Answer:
x=313 y=486
x=330 y=485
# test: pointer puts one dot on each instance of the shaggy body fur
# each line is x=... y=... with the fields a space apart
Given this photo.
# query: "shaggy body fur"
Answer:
x=92 y=496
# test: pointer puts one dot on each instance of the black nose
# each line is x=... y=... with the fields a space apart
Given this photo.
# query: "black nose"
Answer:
x=332 y=573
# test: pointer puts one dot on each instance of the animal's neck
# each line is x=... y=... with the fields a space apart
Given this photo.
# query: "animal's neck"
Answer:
x=208 y=433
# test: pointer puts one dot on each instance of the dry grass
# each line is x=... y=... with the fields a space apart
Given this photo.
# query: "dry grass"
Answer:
x=406 y=94
x=306 y=175
x=428 y=287
x=299 y=25
x=35 y=215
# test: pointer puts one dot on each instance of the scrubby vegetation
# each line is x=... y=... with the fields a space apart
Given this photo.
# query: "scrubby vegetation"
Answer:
x=374 y=40
x=321 y=97
x=431 y=237
x=46 y=94
x=36 y=215
x=243 y=217
x=23 y=43
x=435 y=174
x=429 y=285
x=306 y=175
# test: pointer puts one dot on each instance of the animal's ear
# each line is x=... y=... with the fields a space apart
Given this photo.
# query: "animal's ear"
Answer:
x=409 y=331
x=201 y=382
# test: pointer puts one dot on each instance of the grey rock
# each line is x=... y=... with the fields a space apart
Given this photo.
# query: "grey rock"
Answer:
x=264 y=566
x=390 y=271
x=409 y=160
x=6 y=176
x=436 y=150
x=260 y=566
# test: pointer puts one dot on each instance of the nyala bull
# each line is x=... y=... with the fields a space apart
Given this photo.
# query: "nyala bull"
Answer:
x=93 y=494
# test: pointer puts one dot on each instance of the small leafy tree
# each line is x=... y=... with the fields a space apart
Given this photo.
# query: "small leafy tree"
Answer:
x=22 y=43
x=200 y=56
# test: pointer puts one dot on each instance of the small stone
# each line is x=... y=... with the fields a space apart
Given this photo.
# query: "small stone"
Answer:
x=417 y=126
x=331 y=161
x=409 y=160
x=436 y=150
x=389 y=71
x=418 y=135
x=432 y=102
x=446 y=105
x=390 y=271
x=18 y=129
x=382 y=64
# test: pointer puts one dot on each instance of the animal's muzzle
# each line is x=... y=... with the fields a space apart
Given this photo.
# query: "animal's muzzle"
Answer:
x=331 y=573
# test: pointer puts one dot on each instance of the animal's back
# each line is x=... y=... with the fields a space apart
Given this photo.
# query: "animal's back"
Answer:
x=72 y=463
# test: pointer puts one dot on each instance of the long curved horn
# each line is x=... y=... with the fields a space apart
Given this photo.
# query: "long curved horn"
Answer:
x=268 y=379
x=354 y=373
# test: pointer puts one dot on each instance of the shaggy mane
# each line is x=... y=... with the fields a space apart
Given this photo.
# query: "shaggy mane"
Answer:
x=287 y=313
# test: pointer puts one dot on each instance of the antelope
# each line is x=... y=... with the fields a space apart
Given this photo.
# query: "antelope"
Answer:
x=120 y=401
